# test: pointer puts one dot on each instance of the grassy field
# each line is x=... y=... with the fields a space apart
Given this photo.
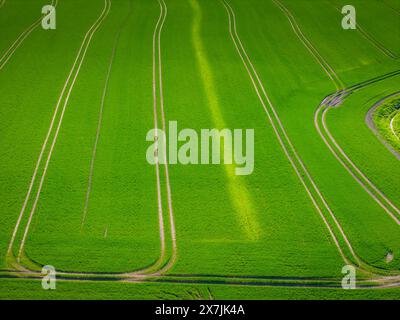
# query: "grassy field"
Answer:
x=76 y=191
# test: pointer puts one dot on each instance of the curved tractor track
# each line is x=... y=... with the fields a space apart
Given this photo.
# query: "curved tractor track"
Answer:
x=303 y=174
x=371 y=276
x=160 y=266
x=64 y=97
x=310 y=186
x=334 y=100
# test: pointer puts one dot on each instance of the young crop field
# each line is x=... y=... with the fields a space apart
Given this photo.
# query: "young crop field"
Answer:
x=200 y=149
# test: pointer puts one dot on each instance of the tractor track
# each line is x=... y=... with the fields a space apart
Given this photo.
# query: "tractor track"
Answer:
x=298 y=168
x=392 y=126
x=256 y=281
x=378 y=281
x=320 y=117
x=302 y=173
x=341 y=93
x=72 y=75
x=100 y=117
x=159 y=266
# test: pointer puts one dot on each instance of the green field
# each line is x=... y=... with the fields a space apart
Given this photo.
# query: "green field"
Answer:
x=386 y=121
x=76 y=190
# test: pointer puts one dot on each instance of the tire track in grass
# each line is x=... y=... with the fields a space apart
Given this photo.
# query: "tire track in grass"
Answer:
x=72 y=75
x=157 y=267
x=21 y=38
x=377 y=195
x=288 y=281
x=238 y=191
x=249 y=66
x=91 y=171
x=376 y=43
x=2 y=3
x=258 y=86
x=157 y=86
x=310 y=47
x=337 y=100
x=391 y=7
x=253 y=281
x=100 y=119
x=160 y=266
x=174 y=248
x=362 y=180
x=148 y=271
x=156 y=65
